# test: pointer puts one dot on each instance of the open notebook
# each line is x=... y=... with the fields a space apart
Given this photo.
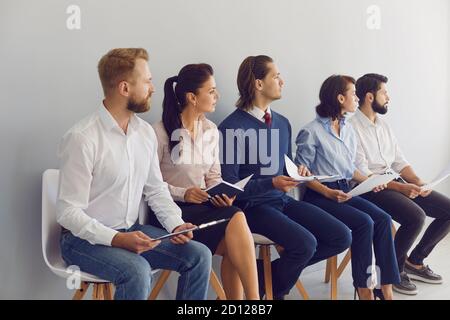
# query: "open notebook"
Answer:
x=228 y=188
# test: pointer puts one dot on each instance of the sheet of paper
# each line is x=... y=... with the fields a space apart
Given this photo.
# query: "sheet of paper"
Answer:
x=241 y=184
x=374 y=181
x=292 y=170
x=439 y=178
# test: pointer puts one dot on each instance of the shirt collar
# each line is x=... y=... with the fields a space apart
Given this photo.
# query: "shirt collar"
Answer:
x=327 y=120
x=258 y=113
x=109 y=122
x=363 y=118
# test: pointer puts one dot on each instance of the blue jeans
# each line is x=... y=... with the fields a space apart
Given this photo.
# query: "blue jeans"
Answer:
x=307 y=234
x=370 y=225
x=131 y=273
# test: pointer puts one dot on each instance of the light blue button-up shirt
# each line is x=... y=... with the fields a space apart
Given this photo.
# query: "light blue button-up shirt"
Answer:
x=323 y=152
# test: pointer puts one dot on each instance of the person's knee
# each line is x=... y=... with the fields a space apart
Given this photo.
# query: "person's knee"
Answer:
x=136 y=276
x=416 y=218
x=366 y=225
x=384 y=221
x=344 y=240
x=200 y=256
x=305 y=248
x=239 y=217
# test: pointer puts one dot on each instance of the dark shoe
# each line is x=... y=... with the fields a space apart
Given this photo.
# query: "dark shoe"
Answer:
x=424 y=274
x=405 y=286
x=378 y=294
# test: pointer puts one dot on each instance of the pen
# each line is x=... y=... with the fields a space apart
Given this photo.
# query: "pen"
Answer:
x=205 y=225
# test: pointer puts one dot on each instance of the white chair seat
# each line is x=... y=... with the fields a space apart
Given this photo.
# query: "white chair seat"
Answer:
x=60 y=269
x=260 y=239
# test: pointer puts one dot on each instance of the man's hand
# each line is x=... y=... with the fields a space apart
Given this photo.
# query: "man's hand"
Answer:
x=410 y=190
x=222 y=201
x=182 y=238
x=337 y=195
x=425 y=193
x=284 y=183
x=135 y=241
x=304 y=171
x=379 y=188
x=195 y=195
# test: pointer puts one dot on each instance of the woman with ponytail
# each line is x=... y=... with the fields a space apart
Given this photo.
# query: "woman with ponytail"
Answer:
x=327 y=146
x=188 y=150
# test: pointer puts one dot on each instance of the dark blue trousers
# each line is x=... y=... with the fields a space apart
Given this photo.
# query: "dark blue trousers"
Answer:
x=370 y=225
x=307 y=234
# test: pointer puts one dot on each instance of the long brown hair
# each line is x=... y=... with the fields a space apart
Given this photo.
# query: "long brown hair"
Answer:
x=251 y=69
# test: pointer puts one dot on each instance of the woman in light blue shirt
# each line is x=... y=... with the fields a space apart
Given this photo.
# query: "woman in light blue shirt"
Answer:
x=327 y=146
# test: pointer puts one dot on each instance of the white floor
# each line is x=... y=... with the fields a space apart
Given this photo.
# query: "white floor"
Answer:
x=439 y=261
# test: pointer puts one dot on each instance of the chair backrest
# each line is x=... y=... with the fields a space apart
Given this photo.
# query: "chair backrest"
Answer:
x=51 y=230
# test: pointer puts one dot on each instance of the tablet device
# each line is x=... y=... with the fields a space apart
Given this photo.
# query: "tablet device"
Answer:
x=202 y=226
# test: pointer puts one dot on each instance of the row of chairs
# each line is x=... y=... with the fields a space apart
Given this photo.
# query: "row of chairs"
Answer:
x=103 y=289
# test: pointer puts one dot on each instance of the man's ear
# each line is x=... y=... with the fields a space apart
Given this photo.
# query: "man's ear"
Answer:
x=124 y=88
x=258 y=84
x=370 y=97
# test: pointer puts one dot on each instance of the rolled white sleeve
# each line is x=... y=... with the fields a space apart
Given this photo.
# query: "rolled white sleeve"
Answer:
x=399 y=160
x=361 y=162
x=76 y=156
x=157 y=195
x=177 y=193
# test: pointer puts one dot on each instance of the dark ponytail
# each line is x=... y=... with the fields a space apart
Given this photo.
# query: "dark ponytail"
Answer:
x=190 y=78
x=332 y=87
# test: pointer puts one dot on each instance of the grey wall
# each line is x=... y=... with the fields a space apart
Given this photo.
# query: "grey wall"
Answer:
x=48 y=81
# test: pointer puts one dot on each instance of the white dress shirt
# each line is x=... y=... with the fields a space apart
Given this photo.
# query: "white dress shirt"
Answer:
x=103 y=175
x=258 y=113
x=377 y=150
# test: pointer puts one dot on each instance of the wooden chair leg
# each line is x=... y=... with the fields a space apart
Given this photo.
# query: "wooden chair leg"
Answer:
x=301 y=289
x=79 y=294
x=333 y=277
x=327 y=271
x=218 y=289
x=265 y=253
x=97 y=294
x=159 y=284
x=344 y=263
x=107 y=290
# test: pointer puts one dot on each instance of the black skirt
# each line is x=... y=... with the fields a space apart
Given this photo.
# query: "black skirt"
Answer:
x=203 y=213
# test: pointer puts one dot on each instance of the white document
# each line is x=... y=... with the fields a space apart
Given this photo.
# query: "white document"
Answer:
x=241 y=184
x=440 y=177
x=373 y=181
x=292 y=171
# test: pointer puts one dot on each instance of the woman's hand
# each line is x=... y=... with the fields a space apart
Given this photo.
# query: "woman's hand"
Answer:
x=379 y=188
x=195 y=195
x=337 y=195
x=303 y=171
x=222 y=201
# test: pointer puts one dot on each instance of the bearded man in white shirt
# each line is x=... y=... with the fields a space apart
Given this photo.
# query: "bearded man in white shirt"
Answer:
x=404 y=199
x=108 y=162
